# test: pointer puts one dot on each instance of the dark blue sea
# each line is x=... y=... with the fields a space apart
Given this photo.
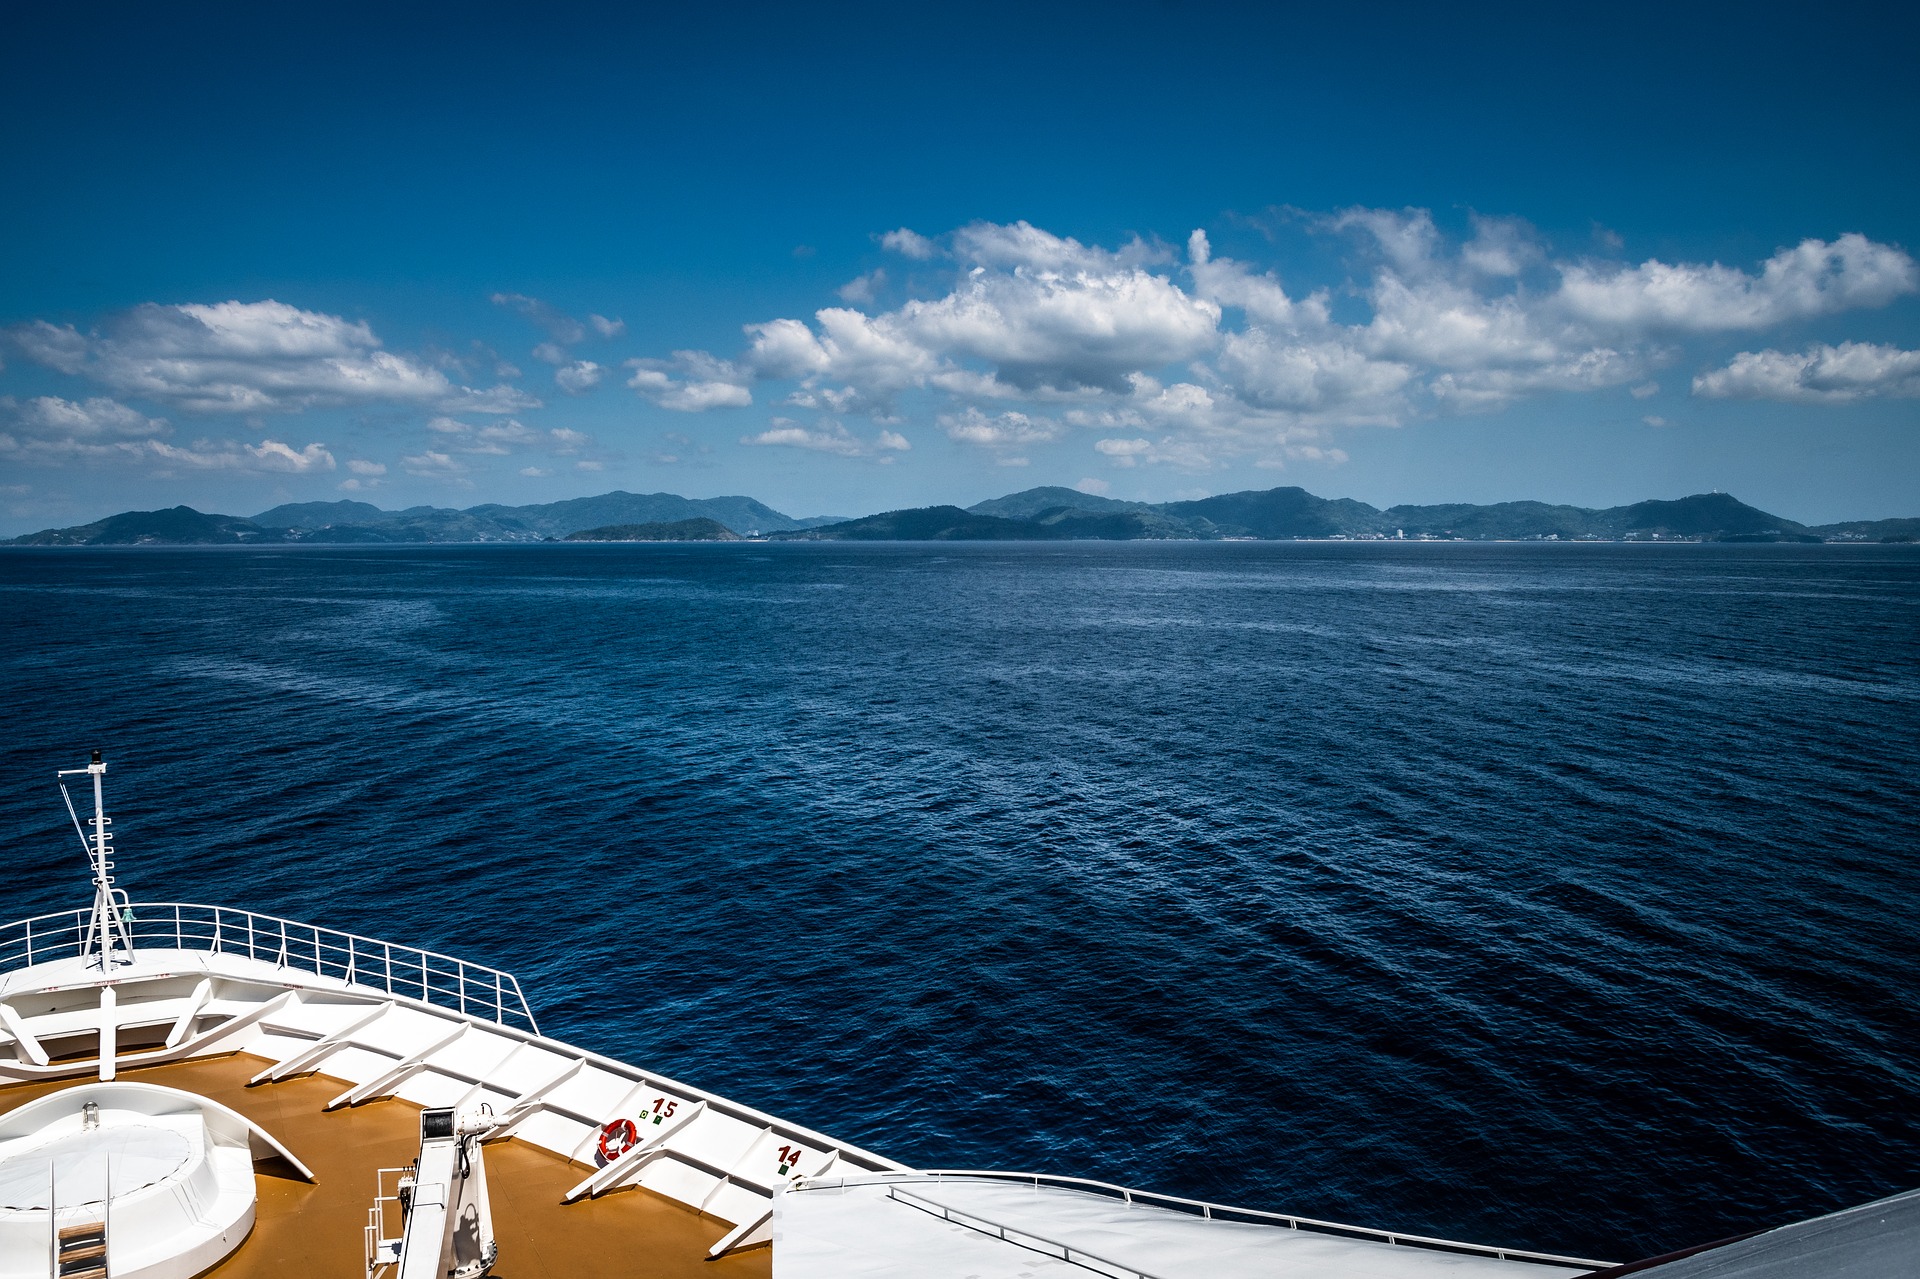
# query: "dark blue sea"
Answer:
x=1556 y=896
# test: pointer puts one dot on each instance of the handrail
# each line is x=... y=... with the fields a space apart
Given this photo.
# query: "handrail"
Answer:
x=1020 y=1238
x=1197 y=1207
x=410 y=972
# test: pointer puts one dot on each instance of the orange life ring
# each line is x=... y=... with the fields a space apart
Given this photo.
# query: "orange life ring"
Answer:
x=617 y=1138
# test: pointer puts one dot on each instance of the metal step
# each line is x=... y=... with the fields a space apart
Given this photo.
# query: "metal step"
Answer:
x=82 y=1251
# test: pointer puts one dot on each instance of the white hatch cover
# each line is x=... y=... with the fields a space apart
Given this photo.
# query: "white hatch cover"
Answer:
x=79 y=1167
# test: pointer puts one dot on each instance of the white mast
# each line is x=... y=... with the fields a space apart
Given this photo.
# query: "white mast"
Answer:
x=107 y=929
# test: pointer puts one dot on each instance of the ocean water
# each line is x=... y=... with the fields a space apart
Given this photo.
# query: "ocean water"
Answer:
x=1556 y=896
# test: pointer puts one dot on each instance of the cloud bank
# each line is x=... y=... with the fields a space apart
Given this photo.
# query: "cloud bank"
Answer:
x=1189 y=358
x=1008 y=338
x=50 y=431
x=248 y=357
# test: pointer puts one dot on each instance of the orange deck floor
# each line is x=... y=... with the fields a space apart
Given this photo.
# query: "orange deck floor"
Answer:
x=316 y=1230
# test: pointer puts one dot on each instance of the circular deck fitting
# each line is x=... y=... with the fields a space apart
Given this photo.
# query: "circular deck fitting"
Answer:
x=162 y=1178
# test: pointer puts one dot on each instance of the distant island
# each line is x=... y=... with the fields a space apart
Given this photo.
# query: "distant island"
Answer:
x=1037 y=514
x=695 y=530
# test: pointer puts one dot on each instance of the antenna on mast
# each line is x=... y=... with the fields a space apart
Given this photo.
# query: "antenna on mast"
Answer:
x=107 y=931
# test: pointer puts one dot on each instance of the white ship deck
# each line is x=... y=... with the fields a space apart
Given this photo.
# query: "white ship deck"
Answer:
x=303 y=1010
x=334 y=1043
x=969 y=1226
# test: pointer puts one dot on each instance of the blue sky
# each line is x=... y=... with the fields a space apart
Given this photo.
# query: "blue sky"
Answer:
x=867 y=257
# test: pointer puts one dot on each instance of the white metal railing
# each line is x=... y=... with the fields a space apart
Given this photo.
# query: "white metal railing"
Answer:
x=407 y=971
x=1020 y=1238
x=1199 y=1208
x=383 y=1246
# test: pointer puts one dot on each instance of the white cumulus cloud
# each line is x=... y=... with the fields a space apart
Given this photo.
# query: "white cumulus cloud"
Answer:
x=497 y=399
x=1821 y=374
x=1325 y=380
x=239 y=357
x=50 y=417
x=433 y=464
x=1076 y=319
x=560 y=326
x=579 y=377
x=268 y=455
x=829 y=437
x=864 y=290
x=691 y=382
x=908 y=244
x=50 y=431
x=1815 y=277
x=1001 y=430
x=1182 y=454
x=498 y=439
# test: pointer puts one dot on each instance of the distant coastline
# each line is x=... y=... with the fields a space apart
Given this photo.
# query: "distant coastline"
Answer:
x=1038 y=514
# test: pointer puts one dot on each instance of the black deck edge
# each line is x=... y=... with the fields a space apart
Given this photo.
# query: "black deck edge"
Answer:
x=1648 y=1263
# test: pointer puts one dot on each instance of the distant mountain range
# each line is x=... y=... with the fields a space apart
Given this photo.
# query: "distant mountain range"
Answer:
x=363 y=522
x=1061 y=513
x=1047 y=514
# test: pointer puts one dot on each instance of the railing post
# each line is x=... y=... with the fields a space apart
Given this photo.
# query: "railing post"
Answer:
x=461 y=977
x=29 y=943
x=386 y=959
